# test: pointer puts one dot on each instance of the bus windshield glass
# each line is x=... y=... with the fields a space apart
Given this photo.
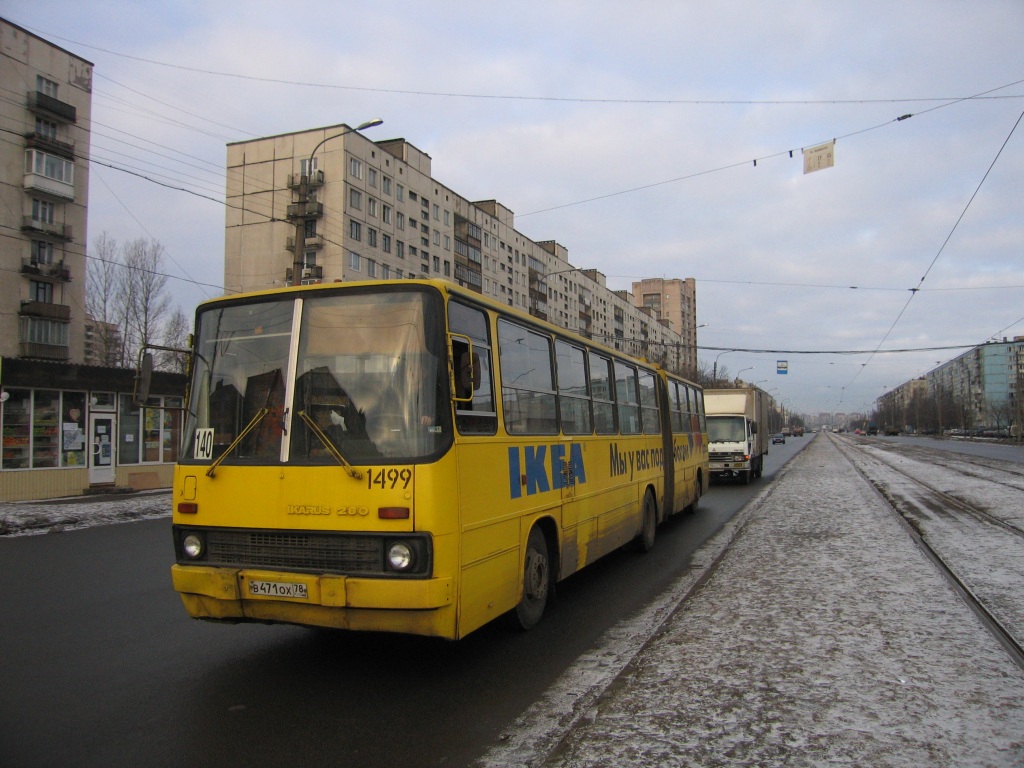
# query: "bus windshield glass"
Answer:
x=366 y=381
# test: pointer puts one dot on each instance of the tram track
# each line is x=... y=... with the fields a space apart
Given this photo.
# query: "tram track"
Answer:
x=930 y=516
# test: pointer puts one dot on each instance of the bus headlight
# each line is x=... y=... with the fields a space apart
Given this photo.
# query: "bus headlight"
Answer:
x=192 y=546
x=401 y=556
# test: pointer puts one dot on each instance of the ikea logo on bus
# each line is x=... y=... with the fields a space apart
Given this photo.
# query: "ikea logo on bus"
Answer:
x=539 y=468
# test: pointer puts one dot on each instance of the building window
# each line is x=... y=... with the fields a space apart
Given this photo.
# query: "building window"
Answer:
x=371 y=237
x=437 y=237
x=371 y=268
x=309 y=228
x=355 y=168
x=437 y=263
x=400 y=220
x=385 y=214
x=46 y=128
x=43 y=429
x=42 y=252
x=385 y=272
x=148 y=435
x=447 y=268
x=355 y=199
x=385 y=243
x=386 y=185
x=355 y=230
x=354 y=261
x=46 y=86
x=400 y=249
x=447 y=218
x=42 y=211
x=399 y=192
x=50 y=166
x=447 y=243
x=371 y=177
x=37 y=330
x=40 y=291
x=371 y=207
x=437 y=212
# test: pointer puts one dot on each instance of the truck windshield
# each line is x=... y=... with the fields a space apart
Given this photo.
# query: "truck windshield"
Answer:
x=726 y=429
x=367 y=371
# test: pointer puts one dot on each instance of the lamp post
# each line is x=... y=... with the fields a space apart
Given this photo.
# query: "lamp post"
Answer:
x=714 y=370
x=737 y=376
x=303 y=202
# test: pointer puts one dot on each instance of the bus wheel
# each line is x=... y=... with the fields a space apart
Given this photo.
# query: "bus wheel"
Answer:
x=536 y=581
x=697 y=488
x=645 y=541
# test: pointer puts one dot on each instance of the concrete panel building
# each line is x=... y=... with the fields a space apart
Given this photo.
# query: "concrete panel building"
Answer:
x=330 y=204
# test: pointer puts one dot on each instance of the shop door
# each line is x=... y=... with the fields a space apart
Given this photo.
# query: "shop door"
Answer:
x=101 y=456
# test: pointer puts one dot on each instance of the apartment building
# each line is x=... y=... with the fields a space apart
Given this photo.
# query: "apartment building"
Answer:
x=44 y=187
x=979 y=390
x=331 y=204
x=69 y=423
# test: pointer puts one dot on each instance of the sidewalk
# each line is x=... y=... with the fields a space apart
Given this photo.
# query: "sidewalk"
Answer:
x=30 y=517
x=824 y=637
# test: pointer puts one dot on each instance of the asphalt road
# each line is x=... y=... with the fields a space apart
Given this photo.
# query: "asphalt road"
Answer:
x=101 y=666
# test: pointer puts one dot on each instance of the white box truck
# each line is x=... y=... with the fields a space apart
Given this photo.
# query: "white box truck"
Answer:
x=738 y=434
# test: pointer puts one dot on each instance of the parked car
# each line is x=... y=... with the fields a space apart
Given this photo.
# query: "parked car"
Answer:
x=778 y=438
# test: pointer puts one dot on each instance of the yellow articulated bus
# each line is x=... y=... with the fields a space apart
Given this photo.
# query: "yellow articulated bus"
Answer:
x=407 y=456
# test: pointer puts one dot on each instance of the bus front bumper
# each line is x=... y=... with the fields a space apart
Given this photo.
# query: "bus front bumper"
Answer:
x=232 y=594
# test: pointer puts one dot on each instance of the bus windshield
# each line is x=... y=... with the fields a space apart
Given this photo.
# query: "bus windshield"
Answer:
x=308 y=377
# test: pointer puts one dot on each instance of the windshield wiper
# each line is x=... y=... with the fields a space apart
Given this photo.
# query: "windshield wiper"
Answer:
x=329 y=445
x=241 y=436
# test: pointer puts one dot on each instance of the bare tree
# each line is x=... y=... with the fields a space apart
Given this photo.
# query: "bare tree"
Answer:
x=127 y=299
x=176 y=333
x=143 y=288
x=102 y=301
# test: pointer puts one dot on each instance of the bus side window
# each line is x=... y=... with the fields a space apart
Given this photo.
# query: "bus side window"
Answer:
x=477 y=416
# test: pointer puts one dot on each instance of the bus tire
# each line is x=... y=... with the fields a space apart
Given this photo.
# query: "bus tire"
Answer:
x=536 y=581
x=644 y=541
x=698 y=486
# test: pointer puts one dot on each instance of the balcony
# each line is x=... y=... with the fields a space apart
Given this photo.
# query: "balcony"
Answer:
x=63 y=232
x=53 y=146
x=305 y=210
x=44 y=351
x=315 y=242
x=40 y=102
x=46 y=310
x=55 y=271
x=37 y=182
x=308 y=274
x=295 y=180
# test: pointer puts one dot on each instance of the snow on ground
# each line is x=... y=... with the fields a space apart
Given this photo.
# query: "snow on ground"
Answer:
x=20 y=518
x=824 y=637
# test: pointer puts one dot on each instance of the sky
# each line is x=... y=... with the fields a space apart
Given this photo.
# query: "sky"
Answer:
x=651 y=139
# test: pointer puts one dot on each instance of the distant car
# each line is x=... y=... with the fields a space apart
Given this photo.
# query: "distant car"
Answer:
x=778 y=438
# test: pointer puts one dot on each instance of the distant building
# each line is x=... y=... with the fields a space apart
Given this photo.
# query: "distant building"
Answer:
x=330 y=204
x=979 y=390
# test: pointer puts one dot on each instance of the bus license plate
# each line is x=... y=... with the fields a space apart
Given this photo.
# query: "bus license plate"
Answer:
x=278 y=589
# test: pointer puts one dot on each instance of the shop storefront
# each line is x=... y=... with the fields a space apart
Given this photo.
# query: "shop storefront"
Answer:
x=74 y=429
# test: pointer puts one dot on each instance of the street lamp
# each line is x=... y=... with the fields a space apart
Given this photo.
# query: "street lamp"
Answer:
x=737 y=376
x=714 y=370
x=300 y=219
